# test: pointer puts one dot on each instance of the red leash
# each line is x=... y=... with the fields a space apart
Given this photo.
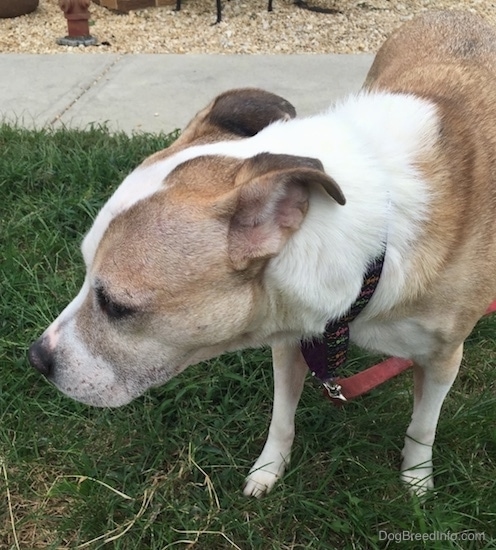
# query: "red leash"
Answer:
x=374 y=376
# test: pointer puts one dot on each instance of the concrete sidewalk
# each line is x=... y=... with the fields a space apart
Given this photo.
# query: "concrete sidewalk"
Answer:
x=161 y=92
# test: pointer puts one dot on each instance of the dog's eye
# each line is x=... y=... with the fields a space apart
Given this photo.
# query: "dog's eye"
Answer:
x=111 y=308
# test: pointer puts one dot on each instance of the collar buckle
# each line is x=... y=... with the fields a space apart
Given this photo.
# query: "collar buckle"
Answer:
x=334 y=389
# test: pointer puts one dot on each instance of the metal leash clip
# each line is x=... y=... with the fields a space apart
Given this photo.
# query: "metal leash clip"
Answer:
x=334 y=389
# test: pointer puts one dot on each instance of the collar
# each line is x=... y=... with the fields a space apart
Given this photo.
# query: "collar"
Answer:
x=325 y=355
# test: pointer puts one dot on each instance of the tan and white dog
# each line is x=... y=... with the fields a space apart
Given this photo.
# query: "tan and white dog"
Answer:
x=256 y=228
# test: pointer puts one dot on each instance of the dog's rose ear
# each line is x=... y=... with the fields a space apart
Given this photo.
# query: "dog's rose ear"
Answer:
x=270 y=203
x=246 y=111
x=240 y=112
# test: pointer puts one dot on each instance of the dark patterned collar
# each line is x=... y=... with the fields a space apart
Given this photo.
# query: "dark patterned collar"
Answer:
x=325 y=355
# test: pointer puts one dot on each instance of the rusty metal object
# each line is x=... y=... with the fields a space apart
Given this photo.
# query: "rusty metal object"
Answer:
x=77 y=14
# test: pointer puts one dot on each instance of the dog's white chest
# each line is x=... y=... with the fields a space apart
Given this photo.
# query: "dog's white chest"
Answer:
x=406 y=338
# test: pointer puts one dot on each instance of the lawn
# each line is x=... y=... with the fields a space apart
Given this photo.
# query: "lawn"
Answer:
x=166 y=471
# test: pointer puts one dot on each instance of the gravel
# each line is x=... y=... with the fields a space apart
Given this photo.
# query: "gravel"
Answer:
x=247 y=27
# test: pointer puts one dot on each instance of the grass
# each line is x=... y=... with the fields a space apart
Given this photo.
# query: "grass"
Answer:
x=166 y=471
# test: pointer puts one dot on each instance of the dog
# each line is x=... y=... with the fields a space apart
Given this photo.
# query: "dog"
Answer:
x=256 y=228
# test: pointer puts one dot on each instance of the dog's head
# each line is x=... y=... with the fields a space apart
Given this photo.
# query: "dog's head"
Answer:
x=175 y=259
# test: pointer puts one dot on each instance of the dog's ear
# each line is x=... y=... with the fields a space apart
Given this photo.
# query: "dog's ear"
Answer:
x=246 y=111
x=269 y=203
x=236 y=113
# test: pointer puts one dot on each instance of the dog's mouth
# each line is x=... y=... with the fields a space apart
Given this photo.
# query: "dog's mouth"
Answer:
x=110 y=397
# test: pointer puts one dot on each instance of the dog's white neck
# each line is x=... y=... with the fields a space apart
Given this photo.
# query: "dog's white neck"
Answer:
x=370 y=145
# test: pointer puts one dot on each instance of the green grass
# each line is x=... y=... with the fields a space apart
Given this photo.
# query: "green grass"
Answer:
x=166 y=471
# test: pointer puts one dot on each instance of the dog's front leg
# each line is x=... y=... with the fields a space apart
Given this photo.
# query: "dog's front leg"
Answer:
x=289 y=374
x=432 y=383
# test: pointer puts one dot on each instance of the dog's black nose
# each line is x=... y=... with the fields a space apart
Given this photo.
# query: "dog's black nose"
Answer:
x=40 y=357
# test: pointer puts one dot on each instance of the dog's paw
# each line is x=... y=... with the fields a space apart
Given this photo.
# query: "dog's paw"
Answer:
x=416 y=469
x=259 y=483
x=418 y=476
x=419 y=481
x=264 y=475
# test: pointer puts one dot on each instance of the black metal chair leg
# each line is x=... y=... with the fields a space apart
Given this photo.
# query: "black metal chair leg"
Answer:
x=219 y=12
x=219 y=9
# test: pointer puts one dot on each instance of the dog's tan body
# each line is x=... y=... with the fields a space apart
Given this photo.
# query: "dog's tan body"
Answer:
x=450 y=59
x=226 y=240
